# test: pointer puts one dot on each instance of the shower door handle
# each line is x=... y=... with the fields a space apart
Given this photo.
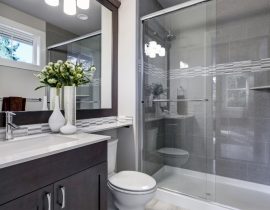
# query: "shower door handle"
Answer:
x=181 y=100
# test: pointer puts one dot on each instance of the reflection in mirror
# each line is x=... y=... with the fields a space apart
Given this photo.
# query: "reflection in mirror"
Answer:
x=87 y=51
x=32 y=33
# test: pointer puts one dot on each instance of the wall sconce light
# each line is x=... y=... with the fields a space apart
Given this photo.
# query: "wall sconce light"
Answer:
x=83 y=4
x=153 y=49
x=53 y=3
x=70 y=7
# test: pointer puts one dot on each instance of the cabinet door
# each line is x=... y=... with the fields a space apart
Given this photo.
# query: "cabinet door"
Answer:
x=38 y=200
x=86 y=190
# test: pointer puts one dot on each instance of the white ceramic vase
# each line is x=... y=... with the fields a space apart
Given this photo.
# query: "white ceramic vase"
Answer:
x=68 y=129
x=56 y=120
x=45 y=104
x=53 y=93
x=70 y=104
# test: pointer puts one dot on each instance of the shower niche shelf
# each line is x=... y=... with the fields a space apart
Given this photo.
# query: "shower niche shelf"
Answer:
x=266 y=87
x=180 y=117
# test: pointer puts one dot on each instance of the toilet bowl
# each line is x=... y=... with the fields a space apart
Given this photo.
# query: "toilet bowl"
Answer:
x=131 y=190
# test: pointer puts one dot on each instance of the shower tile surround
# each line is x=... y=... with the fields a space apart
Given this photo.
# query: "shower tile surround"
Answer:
x=242 y=136
x=27 y=130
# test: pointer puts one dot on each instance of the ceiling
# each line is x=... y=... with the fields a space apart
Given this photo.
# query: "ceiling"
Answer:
x=56 y=16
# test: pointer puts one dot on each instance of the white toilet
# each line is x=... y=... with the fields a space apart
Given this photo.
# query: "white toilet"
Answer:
x=131 y=190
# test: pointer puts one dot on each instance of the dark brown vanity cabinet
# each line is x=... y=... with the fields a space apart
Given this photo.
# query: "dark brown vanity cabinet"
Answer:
x=83 y=191
x=72 y=180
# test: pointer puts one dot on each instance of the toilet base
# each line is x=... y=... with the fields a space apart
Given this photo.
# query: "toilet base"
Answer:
x=127 y=201
x=128 y=207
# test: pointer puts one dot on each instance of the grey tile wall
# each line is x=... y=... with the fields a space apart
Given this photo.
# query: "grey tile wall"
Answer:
x=242 y=133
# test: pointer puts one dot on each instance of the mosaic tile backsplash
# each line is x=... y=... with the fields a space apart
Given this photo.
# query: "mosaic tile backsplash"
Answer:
x=26 y=130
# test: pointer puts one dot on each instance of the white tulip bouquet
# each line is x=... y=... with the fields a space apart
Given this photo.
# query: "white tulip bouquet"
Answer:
x=66 y=73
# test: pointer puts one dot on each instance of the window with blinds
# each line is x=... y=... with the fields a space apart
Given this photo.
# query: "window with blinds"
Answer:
x=17 y=45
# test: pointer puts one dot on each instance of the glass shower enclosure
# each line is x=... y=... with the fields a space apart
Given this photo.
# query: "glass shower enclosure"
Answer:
x=205 y=93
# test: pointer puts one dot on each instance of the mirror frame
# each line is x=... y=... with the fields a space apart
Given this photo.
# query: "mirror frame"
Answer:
x=37 y=117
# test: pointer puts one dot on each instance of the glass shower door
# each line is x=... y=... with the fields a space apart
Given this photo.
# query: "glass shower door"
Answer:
x=177 y=91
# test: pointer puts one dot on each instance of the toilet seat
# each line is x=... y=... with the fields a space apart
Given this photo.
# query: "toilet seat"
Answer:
x=132 y=182
x=130 y=192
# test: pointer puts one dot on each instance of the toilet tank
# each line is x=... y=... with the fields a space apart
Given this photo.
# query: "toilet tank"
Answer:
x=112 y=152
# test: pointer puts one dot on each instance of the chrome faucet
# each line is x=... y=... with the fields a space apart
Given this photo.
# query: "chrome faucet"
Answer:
x=10 y=126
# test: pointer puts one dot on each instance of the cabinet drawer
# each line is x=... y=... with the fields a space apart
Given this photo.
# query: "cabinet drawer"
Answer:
x=27 y=177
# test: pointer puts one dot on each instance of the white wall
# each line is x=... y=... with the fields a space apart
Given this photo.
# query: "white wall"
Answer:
x=21 y=17
x=127 y=58
x=106 y=61
x=127 y=149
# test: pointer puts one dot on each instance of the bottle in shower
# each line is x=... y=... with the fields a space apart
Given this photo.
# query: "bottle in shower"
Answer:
x=181 y=105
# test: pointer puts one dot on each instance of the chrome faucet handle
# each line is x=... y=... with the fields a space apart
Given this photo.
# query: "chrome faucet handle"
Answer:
x=13 y=125
x=10 y=113
x=10 y=126
x=9 y=117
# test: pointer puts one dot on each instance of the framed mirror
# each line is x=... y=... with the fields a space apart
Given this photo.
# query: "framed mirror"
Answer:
x=35 y=32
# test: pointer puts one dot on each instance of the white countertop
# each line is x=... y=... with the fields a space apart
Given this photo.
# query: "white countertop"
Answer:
x=106 y=126
x=37 y=146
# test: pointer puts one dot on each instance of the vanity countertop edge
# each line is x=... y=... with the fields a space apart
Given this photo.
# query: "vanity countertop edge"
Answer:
x=20 y=151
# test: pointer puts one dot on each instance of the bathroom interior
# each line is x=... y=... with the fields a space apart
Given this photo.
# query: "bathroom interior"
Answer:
x=169 y=110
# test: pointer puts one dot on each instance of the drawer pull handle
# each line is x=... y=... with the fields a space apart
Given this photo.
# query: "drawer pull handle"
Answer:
x=63 y=191
x=49 y=199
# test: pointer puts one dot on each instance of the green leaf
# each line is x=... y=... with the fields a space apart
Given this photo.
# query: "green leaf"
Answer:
x=39 y=87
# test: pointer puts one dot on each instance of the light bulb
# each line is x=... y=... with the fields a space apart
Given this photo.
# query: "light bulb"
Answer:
x=83 y=4
x=151 y=52
x=158 y=48
x=152 y=55
x=146 y=49
x=70 y=7
x=53 y=3
x=162 y=52
x=152 y=44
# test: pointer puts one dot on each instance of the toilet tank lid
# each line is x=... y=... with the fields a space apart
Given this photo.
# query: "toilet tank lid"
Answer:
x=133 y=181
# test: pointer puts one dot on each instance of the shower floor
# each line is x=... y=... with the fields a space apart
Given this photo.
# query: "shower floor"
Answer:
x=224 y=191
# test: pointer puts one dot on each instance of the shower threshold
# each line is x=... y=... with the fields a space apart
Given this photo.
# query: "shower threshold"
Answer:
x=212 y=190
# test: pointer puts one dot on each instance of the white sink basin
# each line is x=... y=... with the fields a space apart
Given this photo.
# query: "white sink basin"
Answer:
x=28 y=137
x=22 y=145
